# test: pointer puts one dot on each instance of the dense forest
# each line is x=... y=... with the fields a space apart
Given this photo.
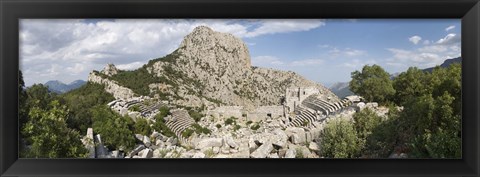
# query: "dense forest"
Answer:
x=424 y=118
x=52 y=125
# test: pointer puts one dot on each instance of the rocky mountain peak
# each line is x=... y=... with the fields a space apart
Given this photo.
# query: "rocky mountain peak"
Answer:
x=110 y=70
x=205 y=45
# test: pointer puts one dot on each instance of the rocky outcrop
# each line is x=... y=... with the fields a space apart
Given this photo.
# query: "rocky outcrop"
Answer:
x=111 y=86
x=110 y=70
x=220 y=65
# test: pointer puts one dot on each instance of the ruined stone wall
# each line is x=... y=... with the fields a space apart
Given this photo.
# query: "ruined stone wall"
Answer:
x=263 y=112
x=226 y=112
x=295 y=95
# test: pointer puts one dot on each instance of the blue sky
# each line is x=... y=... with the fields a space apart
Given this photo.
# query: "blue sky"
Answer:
x=323 y=50
x=343 y=46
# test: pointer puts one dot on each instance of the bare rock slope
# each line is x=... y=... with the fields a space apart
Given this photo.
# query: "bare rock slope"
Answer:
x=213 y=68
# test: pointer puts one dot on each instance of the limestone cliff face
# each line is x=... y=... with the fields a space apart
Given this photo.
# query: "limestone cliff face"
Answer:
x=111 y=87
x=217 y=66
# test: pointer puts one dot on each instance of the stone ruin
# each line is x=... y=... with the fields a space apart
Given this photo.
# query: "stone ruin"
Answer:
x=148 y=107
x=292 y=130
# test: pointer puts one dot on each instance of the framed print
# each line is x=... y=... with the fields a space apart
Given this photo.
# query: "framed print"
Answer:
x=244 y=88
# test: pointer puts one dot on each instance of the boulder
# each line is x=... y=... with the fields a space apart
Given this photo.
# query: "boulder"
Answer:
x=230 y=142
x=262 y=151
x=308 y=137
x=157 y=153
x=156 y=134
x=280 y=139
x=139 y=137
x=314 y=146
x=198 y=155
x=252 y=145
x=360 y=106
x=371 y=105
x=209 y=142
x=123 y=111
x=100 y=150
x=172 y=141
x=116 y=154
x=134 y=115
x=159 y=143
x=146 y=141
x=136 y=150
x=296 y=135
x=290 y=153
x=273 y=156
x=146 y=153
x=282 y=152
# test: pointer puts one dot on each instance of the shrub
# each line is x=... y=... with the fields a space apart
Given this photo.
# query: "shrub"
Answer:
x=187 y=133
x=142 y=126
x=199 y=129
x=195 y=115
x=218 y=126
x=230 y=121
x=255 y=127
x=236 y=127
x=339 y=140
x=48 y=135
x=115 y=130
x=161 y=127
x=134 y=108
x=299 y=153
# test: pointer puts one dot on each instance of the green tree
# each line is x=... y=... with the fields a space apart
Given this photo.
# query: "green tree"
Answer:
x=38 y=95
x=438 y=134
x=115 y=129
x=22 y=101
x=48 y=135
x=365 y=122
x=410 y=84
x=383 y=138
x=23 y=108
x=339 y=140
x=373 y=83
x=80 y=101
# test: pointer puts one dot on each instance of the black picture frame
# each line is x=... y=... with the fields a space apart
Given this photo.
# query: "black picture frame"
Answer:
x=13 y=10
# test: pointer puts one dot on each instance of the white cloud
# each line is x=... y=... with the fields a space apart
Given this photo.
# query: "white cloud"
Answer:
x=76 y=69
x=428 y=55
x=69 y=49
x=451 y=38
x=283 y=26
x=130 y=66
x=415 y=39
x=449 y=28
x=353 y=52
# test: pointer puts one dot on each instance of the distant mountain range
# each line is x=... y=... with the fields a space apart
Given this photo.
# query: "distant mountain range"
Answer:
x=341 y=89
x=446 y=63
x=60 y=87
